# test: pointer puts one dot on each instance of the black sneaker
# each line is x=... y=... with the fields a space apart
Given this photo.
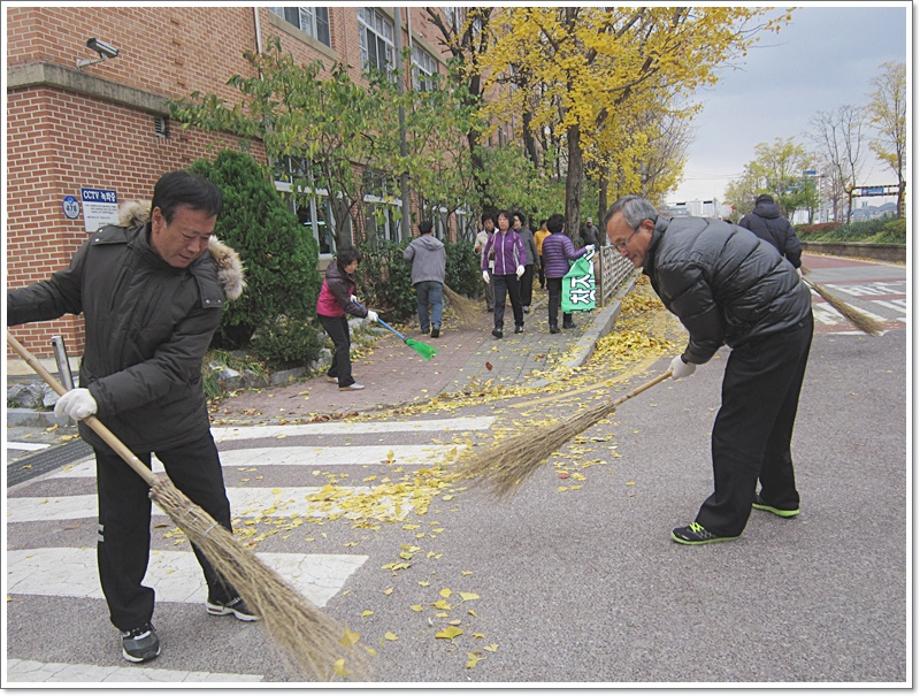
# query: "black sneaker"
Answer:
x=497 y=333
x=140 y=644
x=695 y=533
x=236 y=606
x=519 y=329
x=569 y=325
x=554 y=329
x=786 y=513
x=435 y=331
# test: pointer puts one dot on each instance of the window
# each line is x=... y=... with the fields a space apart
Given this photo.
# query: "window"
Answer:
x=312 y=205
x=313 y=21
x=382 y=207
x=375 y=32
x=424 y=66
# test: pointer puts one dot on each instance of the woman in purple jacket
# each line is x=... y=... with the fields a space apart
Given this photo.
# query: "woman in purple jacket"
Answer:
x=509 y=267
x=558 y=252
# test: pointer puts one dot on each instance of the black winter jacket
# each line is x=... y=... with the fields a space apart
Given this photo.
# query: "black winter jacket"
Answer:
x=725 y=285
x=767 y=222
x=148 y=326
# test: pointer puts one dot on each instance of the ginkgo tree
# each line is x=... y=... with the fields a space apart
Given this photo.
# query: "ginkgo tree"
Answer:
x=596 y=63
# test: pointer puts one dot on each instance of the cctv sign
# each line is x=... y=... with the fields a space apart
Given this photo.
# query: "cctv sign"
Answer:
x=100 y=208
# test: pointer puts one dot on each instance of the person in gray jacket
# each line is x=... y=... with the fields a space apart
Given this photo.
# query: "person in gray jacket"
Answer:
x=729 y=287
x=151 y=293
x=429 y=261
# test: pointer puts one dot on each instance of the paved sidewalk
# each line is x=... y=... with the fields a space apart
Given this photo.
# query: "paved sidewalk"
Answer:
x=393 y=374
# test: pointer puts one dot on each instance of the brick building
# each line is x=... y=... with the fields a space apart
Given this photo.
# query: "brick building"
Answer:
x=105 y=125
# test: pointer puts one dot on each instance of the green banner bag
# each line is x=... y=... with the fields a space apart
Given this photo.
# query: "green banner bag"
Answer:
x=578 y=286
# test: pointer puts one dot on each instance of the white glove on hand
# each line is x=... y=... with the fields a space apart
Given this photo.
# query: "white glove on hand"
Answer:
x=485 y=276
x=372 y=315
x=519 y=271
x=589 y=247
x=76 y=404
x=679 y=368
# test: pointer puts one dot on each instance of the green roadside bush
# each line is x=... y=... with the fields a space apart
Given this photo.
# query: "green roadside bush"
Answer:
x=877 y=231
x=285 y=342
x=463 y=274
x=278 y=253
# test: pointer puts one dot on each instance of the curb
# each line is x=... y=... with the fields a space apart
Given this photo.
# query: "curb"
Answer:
x=31 y=418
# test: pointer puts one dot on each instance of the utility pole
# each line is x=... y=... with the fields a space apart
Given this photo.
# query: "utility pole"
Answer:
x=403 y=148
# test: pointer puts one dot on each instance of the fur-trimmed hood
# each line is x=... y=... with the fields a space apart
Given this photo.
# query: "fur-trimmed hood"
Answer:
x=230 y=271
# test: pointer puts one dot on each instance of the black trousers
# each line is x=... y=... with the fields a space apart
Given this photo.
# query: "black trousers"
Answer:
x=554 y=289
x=541 y=276
x=337 y=328
x=527 y=285
x=753 y=429
x=123 y=547
x=511 y=285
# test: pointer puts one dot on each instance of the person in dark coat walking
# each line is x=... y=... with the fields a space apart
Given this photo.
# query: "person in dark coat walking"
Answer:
x=151 y=293
x=558 y=253
x=768 y=223
x=729 y=287
x=337 y=299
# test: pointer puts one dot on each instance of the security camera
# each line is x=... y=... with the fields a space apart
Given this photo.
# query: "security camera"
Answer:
x=105 y=50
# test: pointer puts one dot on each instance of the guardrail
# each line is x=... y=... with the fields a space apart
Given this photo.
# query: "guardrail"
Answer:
x=611 y=269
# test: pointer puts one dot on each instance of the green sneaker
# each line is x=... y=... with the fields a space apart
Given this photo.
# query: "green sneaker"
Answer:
x=695 y=533
x=759 y=504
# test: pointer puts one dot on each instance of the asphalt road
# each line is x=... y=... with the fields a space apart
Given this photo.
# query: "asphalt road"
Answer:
x=575 y=585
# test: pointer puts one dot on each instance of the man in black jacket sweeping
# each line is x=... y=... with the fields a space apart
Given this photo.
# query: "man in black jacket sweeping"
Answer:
x=728 y=287
x=151 y=293
x=768 y=223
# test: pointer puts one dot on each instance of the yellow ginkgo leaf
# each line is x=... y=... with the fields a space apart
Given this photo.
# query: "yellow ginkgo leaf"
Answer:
x=450 y=632
x=441 y=604
x=416 y=607
x=339 y=667
x=388 y=591
x=371 y=651
x=350 y=638
x=441 y=615
x=424 y=583
x=366 y=613
x=479 y=635
x=472 y=659
x=455 y=622
x=389 y=635
x=468 y=596
x=471 y=612
x=445 y=593
x=493 y=647
x=466 y=572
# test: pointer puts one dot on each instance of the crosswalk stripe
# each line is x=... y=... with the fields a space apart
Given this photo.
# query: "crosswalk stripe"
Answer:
x=32 y=671
x=176 y=575
x=896 y=305
x=305 y=456
x=27 y=446
x=244 y=502
x=252 y=432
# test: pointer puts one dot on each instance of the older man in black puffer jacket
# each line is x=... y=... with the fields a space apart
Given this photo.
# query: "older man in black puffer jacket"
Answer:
x=729 y=287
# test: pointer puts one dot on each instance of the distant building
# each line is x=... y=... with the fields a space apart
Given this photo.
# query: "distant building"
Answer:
x=695 y=208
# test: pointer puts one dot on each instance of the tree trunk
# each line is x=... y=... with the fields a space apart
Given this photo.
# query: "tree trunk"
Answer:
x=901 y=190
x=530 y=144
x=573 y=178
x=601 y=207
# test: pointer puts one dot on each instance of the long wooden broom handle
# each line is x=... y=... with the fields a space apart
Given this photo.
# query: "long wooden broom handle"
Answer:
x=642 y=387
x=107 y=435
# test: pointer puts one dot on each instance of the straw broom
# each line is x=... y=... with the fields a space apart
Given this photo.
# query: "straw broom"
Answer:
x=859 y=319
x=467 y=310
x=312 y=641
x=504 y=465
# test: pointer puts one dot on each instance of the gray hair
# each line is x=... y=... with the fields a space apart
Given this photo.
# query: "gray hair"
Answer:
x=635 y=209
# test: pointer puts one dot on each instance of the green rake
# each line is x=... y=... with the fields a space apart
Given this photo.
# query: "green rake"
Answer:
x=423 y=349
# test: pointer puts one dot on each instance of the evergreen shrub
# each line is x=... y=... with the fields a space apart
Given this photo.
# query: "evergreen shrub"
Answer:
x=279 y=254
x=284 y=342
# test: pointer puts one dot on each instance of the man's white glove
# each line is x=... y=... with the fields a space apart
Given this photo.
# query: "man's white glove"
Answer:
x=353 y=298
x=519 y=271
x=485 y=276
x=679 y=368
x=76 y=404
x=372 y=315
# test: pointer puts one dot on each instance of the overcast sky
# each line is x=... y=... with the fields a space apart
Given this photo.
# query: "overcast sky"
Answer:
x=825 y=57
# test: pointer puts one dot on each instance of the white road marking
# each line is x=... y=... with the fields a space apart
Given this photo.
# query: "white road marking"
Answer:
x=897 y=305
x=30 y=671
x=176 y=575
x=27 y=446
x=244 y=502
x=306 y=456
x=225 y=434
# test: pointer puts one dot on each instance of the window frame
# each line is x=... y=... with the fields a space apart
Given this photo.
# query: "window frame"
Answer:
x=312 y=13
x=369 y=25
